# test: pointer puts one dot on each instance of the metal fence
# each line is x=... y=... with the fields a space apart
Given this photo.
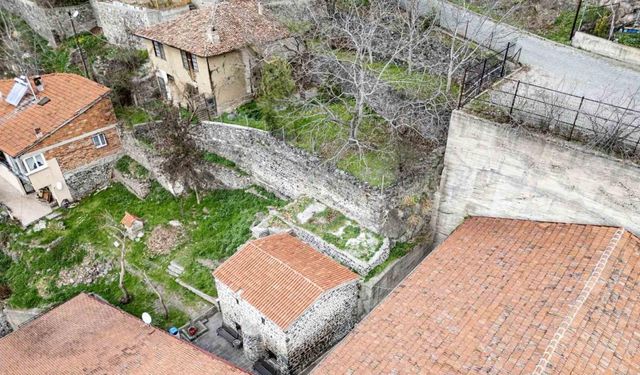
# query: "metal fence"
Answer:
x=476 y=78
x=605 y=126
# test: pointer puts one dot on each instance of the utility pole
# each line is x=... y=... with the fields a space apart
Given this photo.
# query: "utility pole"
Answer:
x=75 y=37
x=575 y=20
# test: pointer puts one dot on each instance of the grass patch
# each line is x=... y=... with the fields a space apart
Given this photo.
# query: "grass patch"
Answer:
x=214 y=230
x=132 y=115
x=335 y=228
x=399 y=250
x=217 y=159
x=132 y=168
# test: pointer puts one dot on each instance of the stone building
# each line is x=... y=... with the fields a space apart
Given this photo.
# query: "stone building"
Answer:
x=58 y=135
x=288 y=301
x=211 y=53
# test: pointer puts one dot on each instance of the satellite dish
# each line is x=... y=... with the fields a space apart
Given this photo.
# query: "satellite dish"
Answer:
x=58 y=185
x=146 y=318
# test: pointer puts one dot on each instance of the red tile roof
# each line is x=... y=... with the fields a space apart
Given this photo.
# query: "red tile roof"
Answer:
x=88 y=336
x=237 y=23
x=282 y=276
x=128 y=220
x=507 y=297
x=69 y=94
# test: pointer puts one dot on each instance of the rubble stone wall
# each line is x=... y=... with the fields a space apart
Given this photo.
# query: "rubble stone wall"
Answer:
x=118 y=19
x=89 y=178
x=53 y=24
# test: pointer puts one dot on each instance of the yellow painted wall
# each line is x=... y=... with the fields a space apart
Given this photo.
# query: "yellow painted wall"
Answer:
x=51 y=176
x=227 y=74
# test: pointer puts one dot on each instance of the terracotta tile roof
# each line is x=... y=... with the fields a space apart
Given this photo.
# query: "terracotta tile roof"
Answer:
x=507 y=297
x=88 y=336
x=282 y=276
x=237 y=23
x=128 y=220
x=69 y=94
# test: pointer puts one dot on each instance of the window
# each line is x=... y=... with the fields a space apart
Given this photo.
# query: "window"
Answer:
x=99 y=140
x=158 y=50
x=34 y=163
x=189 y=61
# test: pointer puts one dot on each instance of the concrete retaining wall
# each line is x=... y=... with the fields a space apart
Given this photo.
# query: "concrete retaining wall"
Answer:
x=53 y=24
x=606 y=48
x=495 y=170
x=375 y=290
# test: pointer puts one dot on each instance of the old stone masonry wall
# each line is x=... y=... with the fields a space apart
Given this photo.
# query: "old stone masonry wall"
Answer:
x=293 y=173
x=330 y=318
x=118 y=19
x=53 y=24
x=89 y=178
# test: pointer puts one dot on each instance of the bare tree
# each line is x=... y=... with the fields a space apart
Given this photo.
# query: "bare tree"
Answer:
x=179 y=152
x=119 y=236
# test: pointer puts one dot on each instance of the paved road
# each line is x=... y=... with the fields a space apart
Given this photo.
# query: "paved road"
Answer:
x=555 y=65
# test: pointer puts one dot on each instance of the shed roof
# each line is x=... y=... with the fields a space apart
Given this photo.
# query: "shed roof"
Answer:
x=282 y=276
x=69 y=96
x=88 y=336
x=508 y=297
x=237 y=24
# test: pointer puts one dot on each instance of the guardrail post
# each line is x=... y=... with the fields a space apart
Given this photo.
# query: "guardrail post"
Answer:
x=484 y=68
x=575 y=20
x=515 y=95
x=575 y=119
x=464 y=79
x=504 y=61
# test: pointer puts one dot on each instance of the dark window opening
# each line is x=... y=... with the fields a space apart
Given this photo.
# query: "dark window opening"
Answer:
x=189 y=62
x=237 y=326
x=237 y=302
x=158 y=50
x=271 y=355
x=262 y=320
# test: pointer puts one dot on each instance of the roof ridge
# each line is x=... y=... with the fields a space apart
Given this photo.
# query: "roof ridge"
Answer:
x=541 y=367
x=288 y=266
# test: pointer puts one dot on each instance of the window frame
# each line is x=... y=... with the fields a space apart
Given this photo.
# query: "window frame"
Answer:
x=102 y=138
x=27 y=167
x=158 y=49
x=189 y=61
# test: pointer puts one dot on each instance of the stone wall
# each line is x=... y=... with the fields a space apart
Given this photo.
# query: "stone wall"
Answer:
x=495 y=170
x=118 y=19
x=327 y=321
x=606 y=48
x=217 y=176
x=89 y=178
x=140 y=188
x=292 y=172
x=53 y=24
x=236 y=310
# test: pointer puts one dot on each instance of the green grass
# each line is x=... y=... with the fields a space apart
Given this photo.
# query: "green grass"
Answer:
x=217 y=159
x=399 y=250
x=132 y=115
x=130 y=167
x=335 y=228
x=631 y=40
x=214 y=230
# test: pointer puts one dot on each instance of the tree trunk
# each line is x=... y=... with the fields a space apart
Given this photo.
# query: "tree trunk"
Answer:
x=125 y=294
x=155 y=290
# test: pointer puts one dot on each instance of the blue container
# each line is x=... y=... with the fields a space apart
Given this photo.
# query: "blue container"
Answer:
x=174 y=331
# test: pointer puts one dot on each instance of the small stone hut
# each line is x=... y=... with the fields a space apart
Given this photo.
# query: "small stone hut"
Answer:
x=288 y=301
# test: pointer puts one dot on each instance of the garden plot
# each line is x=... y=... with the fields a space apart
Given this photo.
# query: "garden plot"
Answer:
x=330 y=232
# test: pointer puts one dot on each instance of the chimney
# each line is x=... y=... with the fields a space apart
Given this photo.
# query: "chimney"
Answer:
x=38 y=133
x=214 y=36
x=260 y=11
x=37 y=80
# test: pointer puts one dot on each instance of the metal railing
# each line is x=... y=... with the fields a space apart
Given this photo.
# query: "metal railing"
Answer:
x=476 y=78
x=606 y=126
